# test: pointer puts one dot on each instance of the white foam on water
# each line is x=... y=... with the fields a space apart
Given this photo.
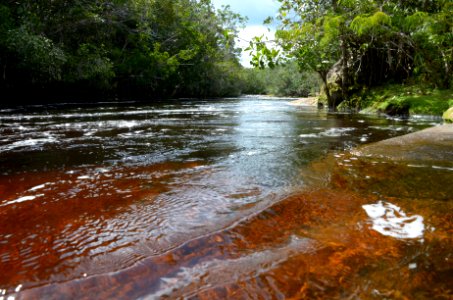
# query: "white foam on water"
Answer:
x=389 y=220
x=38 y=187
x=90 y=133
x=309 y=135
x=102 y=170
x=417 y=166
x=337 y=132
x=124 y=124
x=442 y=168
x=251 y=153
x=23 y=199
x=31 y=142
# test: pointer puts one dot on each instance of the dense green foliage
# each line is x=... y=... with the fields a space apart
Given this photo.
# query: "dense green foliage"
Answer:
x=125 y=48
x=413 y=99
x=185 y=48
x=367 y=42
x=283 y=80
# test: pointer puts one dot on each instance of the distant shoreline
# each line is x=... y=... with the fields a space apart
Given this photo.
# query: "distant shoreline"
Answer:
x=309 y=101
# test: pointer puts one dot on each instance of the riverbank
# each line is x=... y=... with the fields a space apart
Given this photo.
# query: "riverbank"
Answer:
x=400 y=99
x=431 y=144
x=308 y=101
x=396 y=100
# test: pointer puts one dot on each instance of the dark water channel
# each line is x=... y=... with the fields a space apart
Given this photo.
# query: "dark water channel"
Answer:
x=234 y=198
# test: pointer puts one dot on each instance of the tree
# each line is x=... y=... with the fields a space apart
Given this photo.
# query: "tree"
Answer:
x=432 y=31
x=127 y=48
x=368 y=42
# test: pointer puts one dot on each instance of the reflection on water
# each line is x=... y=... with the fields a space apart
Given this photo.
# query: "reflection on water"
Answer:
x=228 y=199
x=389 y=219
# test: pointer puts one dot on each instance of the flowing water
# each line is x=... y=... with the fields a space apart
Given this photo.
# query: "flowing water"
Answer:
x=233 y=198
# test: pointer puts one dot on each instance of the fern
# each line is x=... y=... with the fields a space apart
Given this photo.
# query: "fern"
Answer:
x=364 y=24
x=416 y=20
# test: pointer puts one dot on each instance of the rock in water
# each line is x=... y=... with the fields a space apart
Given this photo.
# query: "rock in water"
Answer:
x=334 y=82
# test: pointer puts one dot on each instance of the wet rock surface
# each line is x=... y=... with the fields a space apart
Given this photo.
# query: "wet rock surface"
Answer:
x=430 y=145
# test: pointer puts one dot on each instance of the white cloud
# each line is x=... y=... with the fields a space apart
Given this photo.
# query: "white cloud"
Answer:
x=256 y=11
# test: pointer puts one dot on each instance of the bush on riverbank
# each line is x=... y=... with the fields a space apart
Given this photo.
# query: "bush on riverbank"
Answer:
x=448 y=115
x=283 y=80
x=416 y=99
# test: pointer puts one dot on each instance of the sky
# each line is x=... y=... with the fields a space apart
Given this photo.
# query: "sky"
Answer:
x=256 y=11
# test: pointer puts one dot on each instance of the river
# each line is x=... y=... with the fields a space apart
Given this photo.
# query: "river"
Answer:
x=233 y=198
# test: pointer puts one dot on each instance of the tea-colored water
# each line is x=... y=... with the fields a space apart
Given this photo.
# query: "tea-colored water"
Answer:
x=243 y=198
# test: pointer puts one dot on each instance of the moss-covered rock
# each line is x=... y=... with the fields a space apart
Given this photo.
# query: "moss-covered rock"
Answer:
x=397 y=108
x=401 y=100
x=334 y=82
x=448 y=115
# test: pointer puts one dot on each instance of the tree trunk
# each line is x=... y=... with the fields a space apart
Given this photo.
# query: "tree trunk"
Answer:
x=4 y=65
x=330 y=101
x=344 y=66
x=446 y=83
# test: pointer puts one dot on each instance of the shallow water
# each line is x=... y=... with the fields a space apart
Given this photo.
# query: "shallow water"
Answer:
x=232 y=198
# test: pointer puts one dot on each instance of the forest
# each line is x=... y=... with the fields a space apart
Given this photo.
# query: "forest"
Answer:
x=148 y=49
x=125 y=49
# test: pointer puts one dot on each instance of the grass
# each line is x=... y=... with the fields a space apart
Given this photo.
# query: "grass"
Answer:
x=418 y=98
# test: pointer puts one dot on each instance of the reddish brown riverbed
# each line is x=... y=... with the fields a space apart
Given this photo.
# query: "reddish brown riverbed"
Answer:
x=238 y=207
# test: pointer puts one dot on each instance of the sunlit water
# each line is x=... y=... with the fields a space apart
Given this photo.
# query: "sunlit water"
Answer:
x=232 y=198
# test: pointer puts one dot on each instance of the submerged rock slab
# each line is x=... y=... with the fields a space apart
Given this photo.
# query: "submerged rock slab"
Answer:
x=433 y=144
x=417 y=166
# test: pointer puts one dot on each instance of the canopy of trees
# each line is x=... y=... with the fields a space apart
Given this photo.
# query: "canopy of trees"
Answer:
x=118 y=48
x=369 y=42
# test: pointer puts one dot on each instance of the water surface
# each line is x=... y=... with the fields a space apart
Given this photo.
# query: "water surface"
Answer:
x=231 y=198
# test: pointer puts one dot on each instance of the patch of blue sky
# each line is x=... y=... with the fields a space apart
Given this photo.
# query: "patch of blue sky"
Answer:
x=256 y=11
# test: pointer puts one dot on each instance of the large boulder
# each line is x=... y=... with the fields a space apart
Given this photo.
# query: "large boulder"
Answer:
x=334 y=82
x=395 y=109
x=448 y=115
